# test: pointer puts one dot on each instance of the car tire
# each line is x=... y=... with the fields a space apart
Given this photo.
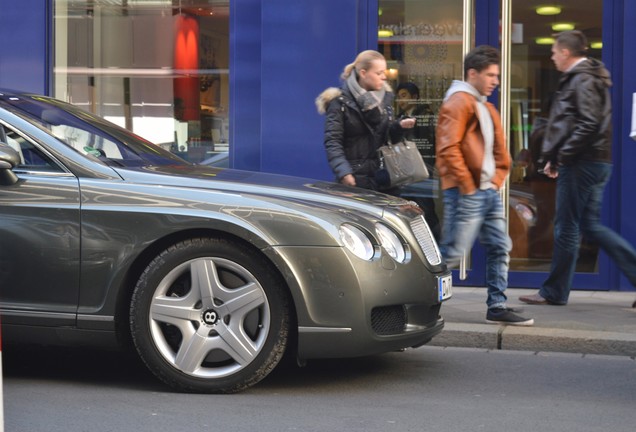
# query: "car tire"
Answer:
x=210 y=316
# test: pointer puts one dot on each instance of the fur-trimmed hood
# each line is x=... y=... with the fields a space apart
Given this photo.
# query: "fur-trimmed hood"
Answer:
x=323 y=99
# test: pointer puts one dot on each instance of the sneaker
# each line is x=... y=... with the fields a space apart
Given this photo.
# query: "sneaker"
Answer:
x=515 y=309
x=507 y=316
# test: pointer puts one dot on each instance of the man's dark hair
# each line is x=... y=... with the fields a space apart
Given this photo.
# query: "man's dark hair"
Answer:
x=574 y=41
x=480 y=58
x=409 y=87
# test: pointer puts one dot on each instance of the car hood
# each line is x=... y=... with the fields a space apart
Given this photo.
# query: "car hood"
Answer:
x=285 y=187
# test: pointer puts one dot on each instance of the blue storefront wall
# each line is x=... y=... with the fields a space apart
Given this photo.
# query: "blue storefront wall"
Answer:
x=623 y=215
x=25 y=32
x=285 y=52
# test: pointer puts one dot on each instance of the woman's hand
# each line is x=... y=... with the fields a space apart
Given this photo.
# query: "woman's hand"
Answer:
x=348 y=180
x=407 y=123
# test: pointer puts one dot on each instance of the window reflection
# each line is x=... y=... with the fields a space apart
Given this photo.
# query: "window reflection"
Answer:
x=158 y=68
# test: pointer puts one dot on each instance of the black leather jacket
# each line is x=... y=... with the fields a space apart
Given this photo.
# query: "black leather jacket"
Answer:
x=580 y=123
x=351 y=144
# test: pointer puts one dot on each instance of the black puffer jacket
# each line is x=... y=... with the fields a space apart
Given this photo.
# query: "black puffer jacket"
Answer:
x=580 y=124
x=350 y=142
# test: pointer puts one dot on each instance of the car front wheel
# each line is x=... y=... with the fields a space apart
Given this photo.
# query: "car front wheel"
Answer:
x=210 y=316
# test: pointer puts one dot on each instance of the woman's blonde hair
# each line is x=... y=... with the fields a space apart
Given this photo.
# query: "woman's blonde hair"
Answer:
x=362 y=62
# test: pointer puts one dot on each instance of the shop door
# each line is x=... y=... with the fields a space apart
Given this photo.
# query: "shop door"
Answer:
x=424 y=42
x=529 y=79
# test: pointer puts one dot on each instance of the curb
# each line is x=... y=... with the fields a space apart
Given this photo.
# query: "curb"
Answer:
x=535 y=339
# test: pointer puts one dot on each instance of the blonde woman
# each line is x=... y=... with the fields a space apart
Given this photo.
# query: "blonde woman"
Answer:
x=360 y=119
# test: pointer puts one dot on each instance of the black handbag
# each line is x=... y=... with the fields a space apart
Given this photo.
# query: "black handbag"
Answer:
x=403 y=163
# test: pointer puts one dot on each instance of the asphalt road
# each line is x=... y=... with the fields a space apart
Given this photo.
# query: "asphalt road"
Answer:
x=428 y=389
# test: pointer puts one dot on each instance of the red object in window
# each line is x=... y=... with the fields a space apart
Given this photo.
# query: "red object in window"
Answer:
x=186 y=66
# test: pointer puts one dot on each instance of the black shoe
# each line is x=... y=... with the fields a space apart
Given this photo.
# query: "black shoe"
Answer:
x=507 y=316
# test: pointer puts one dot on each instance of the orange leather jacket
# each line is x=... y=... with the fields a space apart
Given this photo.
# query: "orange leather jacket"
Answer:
x=460 y=145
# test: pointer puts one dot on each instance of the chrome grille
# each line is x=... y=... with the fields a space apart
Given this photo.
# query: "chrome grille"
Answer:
x=426 y=241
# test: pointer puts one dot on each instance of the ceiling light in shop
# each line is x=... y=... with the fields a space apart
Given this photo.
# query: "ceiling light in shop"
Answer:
x=548 y=10
x=563 y=26
x=597 y=45
x=544 y=40
x=383 y=33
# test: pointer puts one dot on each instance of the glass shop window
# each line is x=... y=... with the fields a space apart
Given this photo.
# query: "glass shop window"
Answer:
x=534 y=80
x=422 y=42
x=159 y=68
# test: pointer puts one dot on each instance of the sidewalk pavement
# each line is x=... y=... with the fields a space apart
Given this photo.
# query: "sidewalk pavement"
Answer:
x=593 y=322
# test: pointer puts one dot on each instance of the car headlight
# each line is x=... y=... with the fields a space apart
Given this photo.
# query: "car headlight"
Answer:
x=357 y=242
x=391 y=243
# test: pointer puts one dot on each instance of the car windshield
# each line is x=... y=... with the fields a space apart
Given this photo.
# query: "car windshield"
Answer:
x=89 y=134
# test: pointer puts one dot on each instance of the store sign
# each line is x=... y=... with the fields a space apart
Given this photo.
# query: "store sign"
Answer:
x=424 y=31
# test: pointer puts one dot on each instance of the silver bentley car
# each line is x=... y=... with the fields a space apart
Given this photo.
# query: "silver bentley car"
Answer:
x=211 y=275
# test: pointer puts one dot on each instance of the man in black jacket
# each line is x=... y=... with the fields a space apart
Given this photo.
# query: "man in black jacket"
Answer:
x=577 y=151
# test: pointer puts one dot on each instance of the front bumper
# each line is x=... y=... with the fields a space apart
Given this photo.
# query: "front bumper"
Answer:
x=347 y=307
x=317 y=342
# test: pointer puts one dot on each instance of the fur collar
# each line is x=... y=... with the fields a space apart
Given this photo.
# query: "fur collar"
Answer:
x=323 y=99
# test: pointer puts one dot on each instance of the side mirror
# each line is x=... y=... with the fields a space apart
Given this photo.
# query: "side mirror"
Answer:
x=9 y=158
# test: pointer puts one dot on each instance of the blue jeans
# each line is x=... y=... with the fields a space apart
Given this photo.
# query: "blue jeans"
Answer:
x=579 y=197
x=467 y=217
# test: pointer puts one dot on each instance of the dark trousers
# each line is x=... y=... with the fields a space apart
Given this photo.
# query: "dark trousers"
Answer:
x=579 y=199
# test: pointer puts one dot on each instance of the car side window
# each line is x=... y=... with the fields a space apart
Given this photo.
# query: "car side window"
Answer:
x=86 y=142
x=31 y=157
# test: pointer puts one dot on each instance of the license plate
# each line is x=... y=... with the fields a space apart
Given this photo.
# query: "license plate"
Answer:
x=444 y=287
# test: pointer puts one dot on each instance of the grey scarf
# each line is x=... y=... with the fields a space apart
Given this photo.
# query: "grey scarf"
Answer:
x=370 y=102
x=367 y=100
